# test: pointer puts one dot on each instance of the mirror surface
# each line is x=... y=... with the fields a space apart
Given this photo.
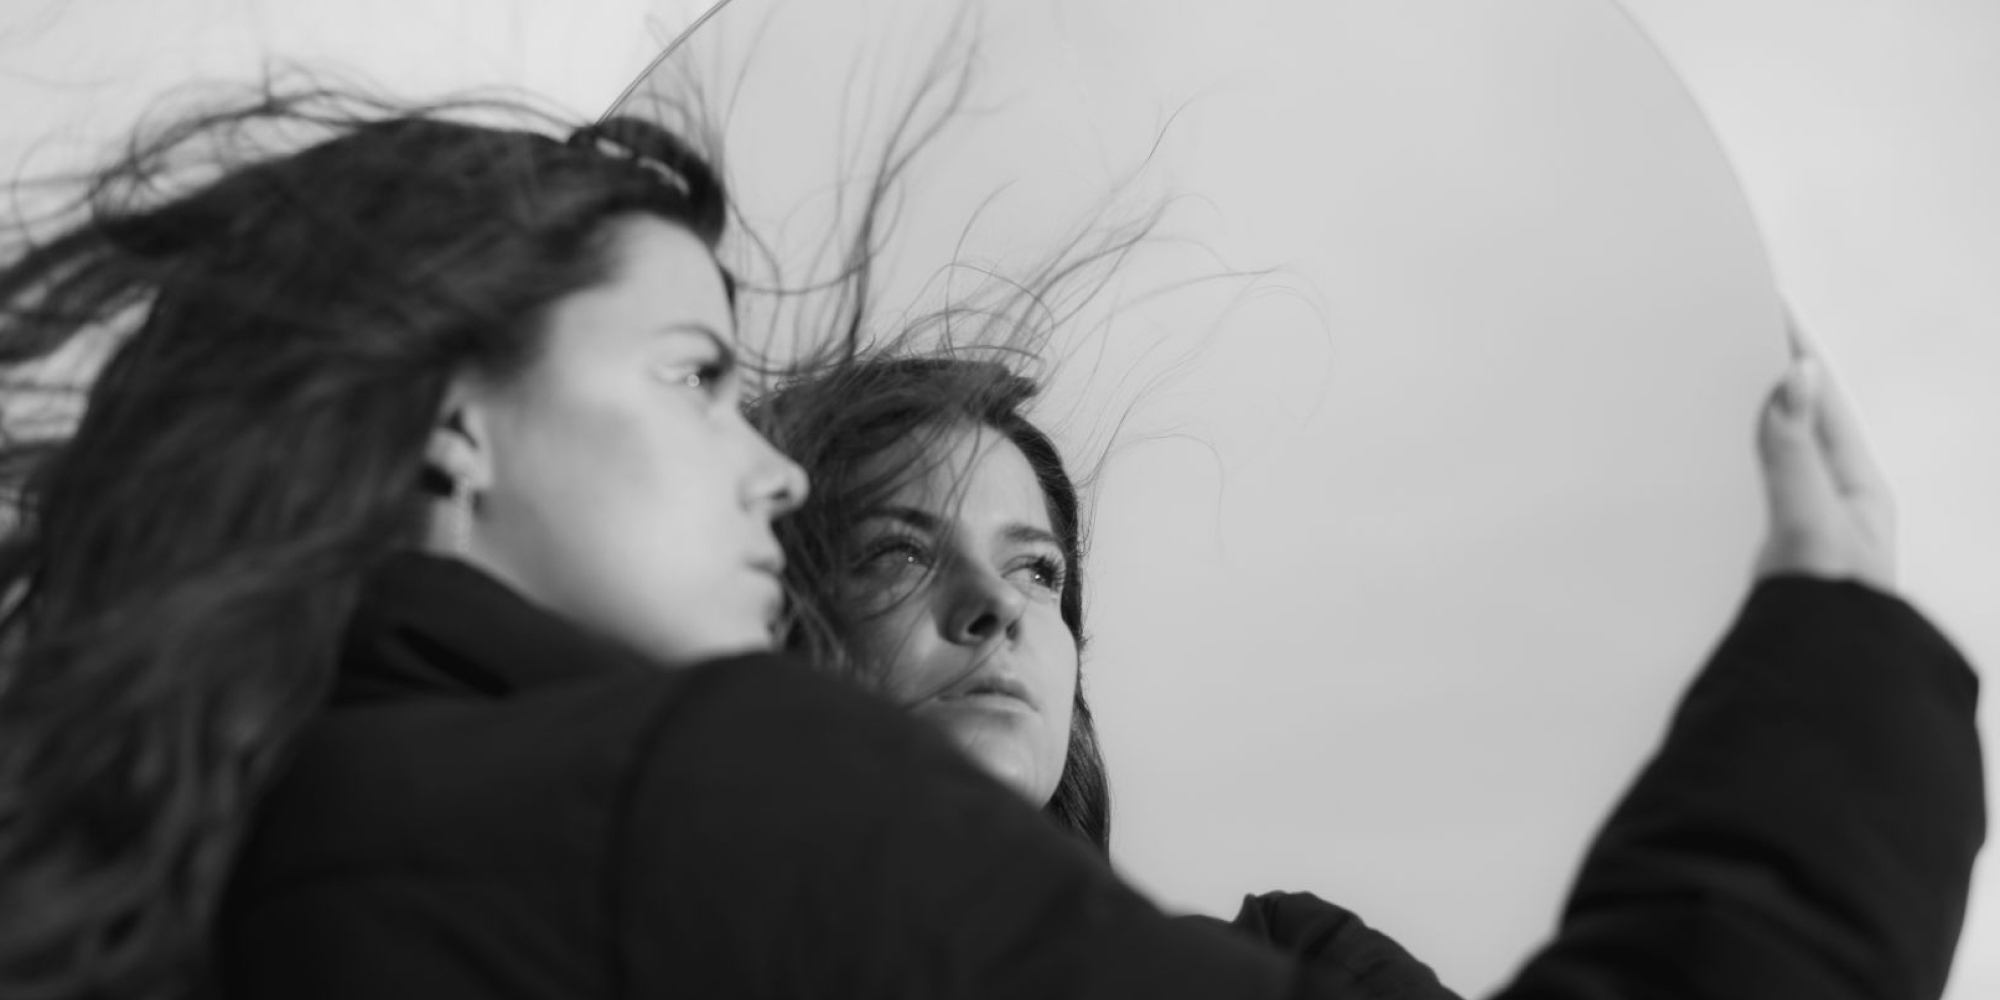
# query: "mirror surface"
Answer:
x=1410 y=545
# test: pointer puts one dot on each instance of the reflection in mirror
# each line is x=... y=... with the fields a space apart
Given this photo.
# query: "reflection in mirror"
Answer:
x=1413 y=538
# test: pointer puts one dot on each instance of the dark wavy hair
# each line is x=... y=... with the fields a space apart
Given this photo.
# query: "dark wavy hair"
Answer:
x=833 y=423
x=308 y=271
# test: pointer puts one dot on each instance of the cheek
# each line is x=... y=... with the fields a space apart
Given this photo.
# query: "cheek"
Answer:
x=898 y=643
x=610 y=495
x=1055 y=656
x=1058 y=660
x=639 y=473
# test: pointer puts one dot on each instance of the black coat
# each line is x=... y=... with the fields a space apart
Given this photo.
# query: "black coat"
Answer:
x=496 y=807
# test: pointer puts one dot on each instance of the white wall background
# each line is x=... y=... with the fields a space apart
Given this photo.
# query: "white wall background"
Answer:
x=1453 y=518
x=83 y=68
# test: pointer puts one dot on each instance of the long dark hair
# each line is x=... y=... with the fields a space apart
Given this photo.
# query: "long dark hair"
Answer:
x=183 y=561
x=833 y=423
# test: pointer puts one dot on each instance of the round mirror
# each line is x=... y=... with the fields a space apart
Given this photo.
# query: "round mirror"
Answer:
x=1413 y=538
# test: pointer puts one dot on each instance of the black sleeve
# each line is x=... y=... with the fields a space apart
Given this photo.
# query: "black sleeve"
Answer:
x=789 y=836
x=1352 y=957
x=1807 y=828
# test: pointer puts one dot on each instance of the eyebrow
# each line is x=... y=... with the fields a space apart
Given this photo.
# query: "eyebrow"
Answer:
x=722 y=347
x=920 y=520
x=1022 y=534
x=1016 y=533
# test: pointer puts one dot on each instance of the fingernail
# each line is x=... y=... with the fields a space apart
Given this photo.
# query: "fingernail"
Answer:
x=1795 y=337
x=1808 y=381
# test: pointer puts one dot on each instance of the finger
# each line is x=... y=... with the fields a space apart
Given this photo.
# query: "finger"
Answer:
x=1849 y=461
x=1797 y=483
x=1796 y=342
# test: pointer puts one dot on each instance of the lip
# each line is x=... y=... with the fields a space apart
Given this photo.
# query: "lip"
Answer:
x=988 y=684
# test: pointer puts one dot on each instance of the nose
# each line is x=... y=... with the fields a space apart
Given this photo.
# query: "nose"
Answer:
x=777 y=485
x=984 y=607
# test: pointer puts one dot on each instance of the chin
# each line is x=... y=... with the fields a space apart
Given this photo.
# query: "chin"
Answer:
x=1012 y=765
x=756 y=639
x=714 y=645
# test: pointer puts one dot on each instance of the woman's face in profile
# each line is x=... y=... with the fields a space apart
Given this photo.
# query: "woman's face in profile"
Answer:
x=624 y=488
x=958 y=593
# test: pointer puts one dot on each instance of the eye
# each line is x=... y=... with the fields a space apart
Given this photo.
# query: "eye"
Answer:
x=711 y=378
x=893 y=554
x=1046 y=572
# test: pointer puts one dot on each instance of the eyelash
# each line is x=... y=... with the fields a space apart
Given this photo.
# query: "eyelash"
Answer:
x=918 y=552
x=710 y=378
x=1052 y=571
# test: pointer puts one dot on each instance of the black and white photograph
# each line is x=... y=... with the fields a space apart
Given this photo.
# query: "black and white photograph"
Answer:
x=1369 y=499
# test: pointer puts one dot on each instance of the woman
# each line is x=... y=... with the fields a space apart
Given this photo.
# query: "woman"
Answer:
x=439 y=421
x=391 y=625
x=940 y=561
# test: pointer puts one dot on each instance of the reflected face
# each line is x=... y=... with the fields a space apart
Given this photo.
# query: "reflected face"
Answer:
x=959 y=585
x=624 y=487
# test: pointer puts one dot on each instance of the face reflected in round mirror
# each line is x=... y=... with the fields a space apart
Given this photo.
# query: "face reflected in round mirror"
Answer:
x=956 y=599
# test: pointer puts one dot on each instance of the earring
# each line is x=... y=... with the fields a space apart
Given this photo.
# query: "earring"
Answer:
x=458 y=518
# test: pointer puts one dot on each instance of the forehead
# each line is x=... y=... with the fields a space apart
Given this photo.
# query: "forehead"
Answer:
x=659 y=276
x=972 y=475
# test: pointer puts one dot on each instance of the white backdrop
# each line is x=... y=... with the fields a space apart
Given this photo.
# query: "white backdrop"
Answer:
x=1454 y=514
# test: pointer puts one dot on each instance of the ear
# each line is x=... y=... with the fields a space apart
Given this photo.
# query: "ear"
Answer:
x=461 y=446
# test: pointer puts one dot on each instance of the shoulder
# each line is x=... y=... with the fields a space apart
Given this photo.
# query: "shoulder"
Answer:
x=426 y=787
x=433 y=780
x=445 y=840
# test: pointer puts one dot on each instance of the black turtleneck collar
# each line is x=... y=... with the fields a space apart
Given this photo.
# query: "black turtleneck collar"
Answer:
x=435 y=626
